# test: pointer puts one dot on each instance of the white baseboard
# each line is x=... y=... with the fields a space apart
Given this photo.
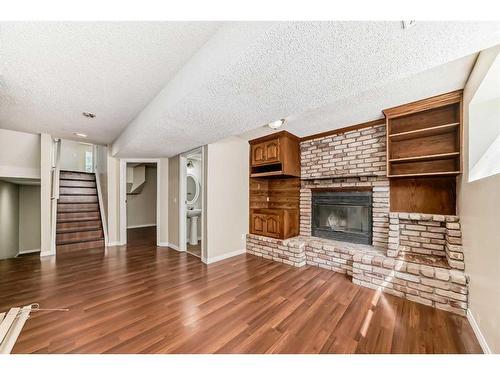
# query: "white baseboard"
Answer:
x=46 y=253
x=167 y=244
x=173 y=246
x=115 y=243
x=141 y=226
x=223 y=256
x=478 y=333
x=28 y=251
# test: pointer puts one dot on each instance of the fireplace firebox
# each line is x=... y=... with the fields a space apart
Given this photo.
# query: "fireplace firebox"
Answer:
x=342 y=215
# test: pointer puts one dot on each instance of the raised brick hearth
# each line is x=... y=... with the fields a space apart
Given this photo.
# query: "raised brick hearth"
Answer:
x=414 y=256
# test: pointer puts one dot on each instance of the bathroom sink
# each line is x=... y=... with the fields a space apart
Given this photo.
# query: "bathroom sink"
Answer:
x=194 y=212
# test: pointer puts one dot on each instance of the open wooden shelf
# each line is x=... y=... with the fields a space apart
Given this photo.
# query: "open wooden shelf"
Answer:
x=267 y=174
x=424 y=143
x=448 y=155
x=426 y=174
x=426 y=132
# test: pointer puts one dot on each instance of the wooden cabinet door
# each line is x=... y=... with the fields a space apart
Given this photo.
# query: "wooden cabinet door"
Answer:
x=272 y=151
x=273 y=226
x=258 y=153
x=259 y=224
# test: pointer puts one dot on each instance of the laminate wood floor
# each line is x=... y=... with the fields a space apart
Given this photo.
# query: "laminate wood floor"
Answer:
x=143 y=299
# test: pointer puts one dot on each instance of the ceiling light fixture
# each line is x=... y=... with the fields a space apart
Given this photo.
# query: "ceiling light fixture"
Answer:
x=276 y=124
x=88 y=114
x=407 y=24
x=81 y=135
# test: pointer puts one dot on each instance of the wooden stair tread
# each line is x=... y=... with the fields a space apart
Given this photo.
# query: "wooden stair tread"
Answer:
x=78 y=199
x=77 y=207
x=69 y=242
x=77 y=183
x=80 y=246
x=80 y=236
x=76 y=229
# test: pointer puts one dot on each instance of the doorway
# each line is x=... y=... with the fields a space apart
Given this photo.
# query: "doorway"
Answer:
x=139 y=201
x=191 y=213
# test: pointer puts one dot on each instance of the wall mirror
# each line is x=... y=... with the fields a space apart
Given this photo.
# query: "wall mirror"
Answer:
x=192 y=189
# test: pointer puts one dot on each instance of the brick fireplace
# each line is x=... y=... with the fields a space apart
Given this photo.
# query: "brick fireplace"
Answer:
x=343 y=215
x=413 y=256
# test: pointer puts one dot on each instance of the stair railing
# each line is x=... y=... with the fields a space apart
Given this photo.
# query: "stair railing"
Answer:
x=55 y=172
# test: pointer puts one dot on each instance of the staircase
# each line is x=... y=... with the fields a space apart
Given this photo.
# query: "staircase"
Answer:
x=79 y=223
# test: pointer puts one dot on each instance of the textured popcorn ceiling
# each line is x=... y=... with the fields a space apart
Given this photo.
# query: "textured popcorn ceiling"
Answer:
x=51 y=72
x=217 y=80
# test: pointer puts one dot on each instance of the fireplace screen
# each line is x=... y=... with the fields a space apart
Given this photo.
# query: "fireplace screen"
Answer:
x=343 y=216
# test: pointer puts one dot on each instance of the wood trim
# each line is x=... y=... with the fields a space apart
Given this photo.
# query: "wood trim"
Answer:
x=424 y=104
x=273 y=136
x=344 y=129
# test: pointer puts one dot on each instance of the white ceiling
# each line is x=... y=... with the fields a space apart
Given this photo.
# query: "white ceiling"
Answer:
x=50 y=72
x=214 y=80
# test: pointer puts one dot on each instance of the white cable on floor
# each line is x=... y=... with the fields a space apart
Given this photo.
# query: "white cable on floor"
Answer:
x=12 y=323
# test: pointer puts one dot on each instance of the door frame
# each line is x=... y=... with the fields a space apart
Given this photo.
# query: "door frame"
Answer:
x=123 y=197
x=182 y=199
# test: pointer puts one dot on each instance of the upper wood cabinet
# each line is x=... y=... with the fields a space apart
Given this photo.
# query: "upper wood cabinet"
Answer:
x=275 y=155
x=266 y=152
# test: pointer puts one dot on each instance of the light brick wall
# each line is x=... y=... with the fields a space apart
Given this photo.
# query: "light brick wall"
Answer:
x=354 y=153
x=436 y=235
x=289 y=251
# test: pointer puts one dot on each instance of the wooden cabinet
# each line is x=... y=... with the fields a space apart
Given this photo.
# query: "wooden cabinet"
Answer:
x=265 y=152
x=275 y=155
x=276 y=223
x=275 y=185
x=258 y=224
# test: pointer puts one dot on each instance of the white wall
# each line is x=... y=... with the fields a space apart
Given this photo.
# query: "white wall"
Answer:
x=19 y=154
x=9 y=220
x=113 y=210
x=73 y=155
x=29 y=218
x=227 y=197
x=45 y=194
x=173 y=201
x=479 y=210
x=141 y=208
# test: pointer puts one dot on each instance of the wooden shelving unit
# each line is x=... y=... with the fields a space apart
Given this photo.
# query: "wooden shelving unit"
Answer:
x=424 y=148
x=275 y=185
x=424 y=138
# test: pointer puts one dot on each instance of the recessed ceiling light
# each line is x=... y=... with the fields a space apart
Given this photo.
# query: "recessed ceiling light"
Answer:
x=81 y=135
x=407 y=24
x=276 y=124
x=88 y=114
